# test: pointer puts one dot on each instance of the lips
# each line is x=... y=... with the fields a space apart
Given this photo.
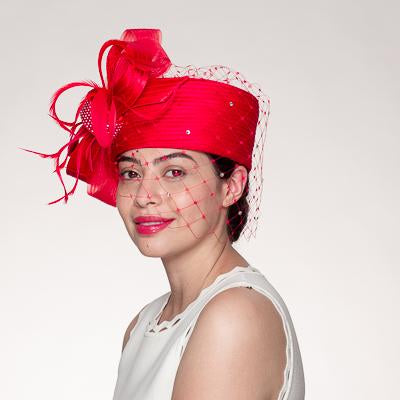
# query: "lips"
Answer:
x=158 y=224
x=151 y=218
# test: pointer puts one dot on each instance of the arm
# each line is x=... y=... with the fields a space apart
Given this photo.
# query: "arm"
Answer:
x=237 y=350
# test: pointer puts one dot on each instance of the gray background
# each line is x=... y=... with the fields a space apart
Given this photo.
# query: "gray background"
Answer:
x=71 y=279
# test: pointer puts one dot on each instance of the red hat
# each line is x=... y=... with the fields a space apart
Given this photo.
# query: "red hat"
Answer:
x=149 y=102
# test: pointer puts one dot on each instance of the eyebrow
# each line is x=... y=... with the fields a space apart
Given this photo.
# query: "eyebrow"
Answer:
x=156 y=160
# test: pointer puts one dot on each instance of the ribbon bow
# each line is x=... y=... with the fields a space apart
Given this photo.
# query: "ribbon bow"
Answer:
x=131 y=62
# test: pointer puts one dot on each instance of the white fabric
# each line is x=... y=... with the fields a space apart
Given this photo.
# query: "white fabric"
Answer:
x=151 y=357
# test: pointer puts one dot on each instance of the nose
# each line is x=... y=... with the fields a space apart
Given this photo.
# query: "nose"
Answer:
x=148 y=192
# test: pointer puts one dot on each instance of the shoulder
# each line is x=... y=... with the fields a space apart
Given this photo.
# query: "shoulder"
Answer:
x=128 y=331
x=237 y=349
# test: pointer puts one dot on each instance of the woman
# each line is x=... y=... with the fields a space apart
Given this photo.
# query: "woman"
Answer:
x=178 y=151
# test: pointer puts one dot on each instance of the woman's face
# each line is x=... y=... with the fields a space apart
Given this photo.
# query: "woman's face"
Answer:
x=174 y=184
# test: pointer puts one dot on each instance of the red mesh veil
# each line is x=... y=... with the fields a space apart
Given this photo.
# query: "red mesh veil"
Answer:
x=229 y=76
x=149 y=103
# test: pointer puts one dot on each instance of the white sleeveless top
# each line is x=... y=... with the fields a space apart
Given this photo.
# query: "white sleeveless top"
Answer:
x=151 y=357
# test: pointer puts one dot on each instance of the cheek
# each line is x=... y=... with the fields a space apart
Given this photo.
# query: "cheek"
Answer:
x=197 y=200
x=123 y=205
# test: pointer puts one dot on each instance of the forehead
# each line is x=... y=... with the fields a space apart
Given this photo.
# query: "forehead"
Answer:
x=158 y=155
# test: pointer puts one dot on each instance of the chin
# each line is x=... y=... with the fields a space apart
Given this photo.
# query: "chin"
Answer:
x=164 y=245
x=157 y=245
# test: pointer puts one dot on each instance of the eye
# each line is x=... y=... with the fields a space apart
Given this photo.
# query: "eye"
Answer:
x=176 y=173
x=131 y=174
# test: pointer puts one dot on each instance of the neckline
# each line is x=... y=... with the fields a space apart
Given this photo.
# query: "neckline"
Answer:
x=153 y=324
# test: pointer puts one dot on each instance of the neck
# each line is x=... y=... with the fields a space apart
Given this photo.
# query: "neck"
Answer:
x=193 y=270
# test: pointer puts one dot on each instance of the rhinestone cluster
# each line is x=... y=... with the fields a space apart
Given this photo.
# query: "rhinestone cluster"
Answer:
x=86 y=116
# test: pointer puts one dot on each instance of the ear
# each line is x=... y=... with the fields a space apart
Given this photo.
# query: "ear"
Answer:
x=234 y=185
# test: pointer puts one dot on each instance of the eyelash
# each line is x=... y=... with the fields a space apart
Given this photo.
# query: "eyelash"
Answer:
x=121 y=174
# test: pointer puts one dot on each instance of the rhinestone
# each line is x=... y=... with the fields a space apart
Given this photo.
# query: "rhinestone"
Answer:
x=231 y=103
x=187 y=132
x=221 y=174
x=240 y=212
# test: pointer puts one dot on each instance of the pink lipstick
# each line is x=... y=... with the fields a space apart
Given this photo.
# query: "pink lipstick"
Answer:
x=148 y=225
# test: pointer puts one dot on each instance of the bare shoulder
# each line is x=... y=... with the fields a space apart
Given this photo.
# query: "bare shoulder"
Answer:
x=237 y=350
x=129 y=329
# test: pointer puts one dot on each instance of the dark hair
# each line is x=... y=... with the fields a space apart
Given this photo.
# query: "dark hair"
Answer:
x=238 y=211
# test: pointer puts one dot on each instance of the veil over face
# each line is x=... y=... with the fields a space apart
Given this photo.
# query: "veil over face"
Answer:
x=170 y=198
x=148 y=104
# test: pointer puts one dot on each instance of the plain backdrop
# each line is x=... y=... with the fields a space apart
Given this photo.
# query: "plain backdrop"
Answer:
x=328 y=238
